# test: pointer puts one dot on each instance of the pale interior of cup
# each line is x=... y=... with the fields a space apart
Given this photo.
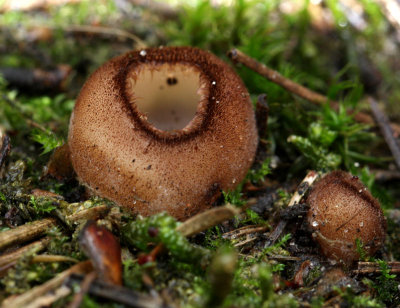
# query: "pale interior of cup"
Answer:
x=166 y=95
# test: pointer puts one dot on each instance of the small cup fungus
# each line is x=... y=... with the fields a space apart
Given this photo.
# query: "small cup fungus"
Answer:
x=163 y=129
x=342 y=210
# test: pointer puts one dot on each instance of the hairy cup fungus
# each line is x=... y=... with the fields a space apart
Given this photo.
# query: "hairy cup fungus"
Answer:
x=342 y=210
x=163 y=129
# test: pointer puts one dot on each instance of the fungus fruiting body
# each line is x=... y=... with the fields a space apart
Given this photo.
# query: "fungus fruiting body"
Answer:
x=342 y=210
x=163 y=129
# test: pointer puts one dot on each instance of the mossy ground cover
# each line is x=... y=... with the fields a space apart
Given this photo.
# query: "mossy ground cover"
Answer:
x=345 y=51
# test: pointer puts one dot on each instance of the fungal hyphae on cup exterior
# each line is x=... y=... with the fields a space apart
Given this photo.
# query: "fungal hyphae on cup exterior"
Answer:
x=163 y=129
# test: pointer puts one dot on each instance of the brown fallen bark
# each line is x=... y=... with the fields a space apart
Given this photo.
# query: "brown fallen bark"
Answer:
x=36 y=80
x=239 y=57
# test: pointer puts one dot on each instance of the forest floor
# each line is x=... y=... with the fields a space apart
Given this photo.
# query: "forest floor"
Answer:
x=324 y=78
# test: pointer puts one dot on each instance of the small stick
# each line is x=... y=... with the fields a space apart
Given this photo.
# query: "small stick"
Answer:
x=106 y=30
x=84 y=289
x=37 y=228
x=262 y=111
x=120 y=294
x=15 y=255
x=274 y=76
x=5 y=148
x=210 y=218
x=303 y=187
x=244 y=231
x=24 y=299
x=298 y=194
x=246 y=241
x=36 y=79
x=283 y=258
x=53 y=258
x=387 y=132
x=239 y=57
x=25 y=232
x=47 y=299
x=386 y=175
x=373 y=267
x=92 y=213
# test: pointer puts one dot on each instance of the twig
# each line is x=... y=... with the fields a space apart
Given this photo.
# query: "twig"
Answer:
x=246 y=241
x=25 y=232
x=283 y=258
x=92 y=213
x=15 y=255
x=84 y=288
x=243 y=231
x=49 y=298
x=53 y=258
x=298 y=194
x=30 y=296
x=303 y=187
x=106 y=30
x=373 y=267
x=210 y=218
x=239 y=57
x=119 y=294
x=274 y=76
x=387 y=132
x=37 y=228
x=37 y=79
x=4 y=148
x=386 y=175
x=262 y=111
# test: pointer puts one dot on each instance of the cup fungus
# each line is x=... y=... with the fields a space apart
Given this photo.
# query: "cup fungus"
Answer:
x=163 y=129
x=342 y=210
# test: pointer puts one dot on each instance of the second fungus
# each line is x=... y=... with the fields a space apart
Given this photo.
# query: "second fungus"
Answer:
x=343 y=211
x=163 y=129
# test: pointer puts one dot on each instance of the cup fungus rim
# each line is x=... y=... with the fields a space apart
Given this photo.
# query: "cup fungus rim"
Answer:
x=154 y=56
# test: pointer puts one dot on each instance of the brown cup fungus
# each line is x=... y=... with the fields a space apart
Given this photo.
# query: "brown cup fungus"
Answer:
x=163 y=129
x=342 y=210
